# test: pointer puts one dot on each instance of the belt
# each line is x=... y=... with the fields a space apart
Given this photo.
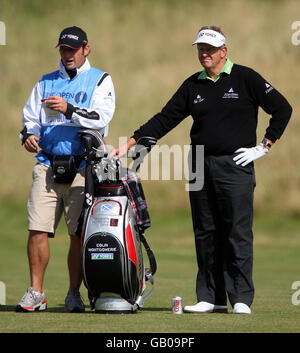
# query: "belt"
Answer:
x=78 y=159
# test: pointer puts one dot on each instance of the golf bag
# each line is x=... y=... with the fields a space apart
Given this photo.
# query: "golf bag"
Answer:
x=112 y=225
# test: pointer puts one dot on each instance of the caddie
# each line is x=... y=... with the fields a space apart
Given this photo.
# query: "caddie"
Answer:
x=75 y=96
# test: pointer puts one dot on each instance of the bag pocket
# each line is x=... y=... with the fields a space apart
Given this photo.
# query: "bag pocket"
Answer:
x=64 y=169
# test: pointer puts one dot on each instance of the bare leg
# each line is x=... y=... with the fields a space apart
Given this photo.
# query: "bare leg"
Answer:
x=38 y=256
x=74 y=263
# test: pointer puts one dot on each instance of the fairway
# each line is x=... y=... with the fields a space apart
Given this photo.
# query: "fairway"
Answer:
x=276 y=267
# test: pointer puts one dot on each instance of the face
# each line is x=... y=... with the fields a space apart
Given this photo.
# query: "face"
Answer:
x=211 y=57
x=73 y=58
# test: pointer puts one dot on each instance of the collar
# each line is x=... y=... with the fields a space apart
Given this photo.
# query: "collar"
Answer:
x=225 y=69
x=62 y=70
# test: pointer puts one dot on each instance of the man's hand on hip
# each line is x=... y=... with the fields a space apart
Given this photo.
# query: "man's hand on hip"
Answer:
x=248 y=155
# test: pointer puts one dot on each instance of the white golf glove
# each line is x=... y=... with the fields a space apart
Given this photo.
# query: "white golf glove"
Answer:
x=248 y=155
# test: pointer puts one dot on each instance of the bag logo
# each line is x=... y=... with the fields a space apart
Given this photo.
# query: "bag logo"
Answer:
x=61 y=170
x=101 y=256
x=106 y=207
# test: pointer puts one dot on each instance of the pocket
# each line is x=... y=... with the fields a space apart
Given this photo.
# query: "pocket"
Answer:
x=248 y=170
x=37 y=171
x=253 y=176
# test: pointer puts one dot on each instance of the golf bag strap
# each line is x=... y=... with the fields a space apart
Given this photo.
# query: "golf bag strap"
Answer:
x=149 y=272
x=151 y=257
x=141 y=299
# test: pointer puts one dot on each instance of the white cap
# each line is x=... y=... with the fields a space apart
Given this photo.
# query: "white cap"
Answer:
x=210 y=37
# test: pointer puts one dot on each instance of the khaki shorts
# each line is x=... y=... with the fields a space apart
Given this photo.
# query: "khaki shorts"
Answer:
x=49 y=200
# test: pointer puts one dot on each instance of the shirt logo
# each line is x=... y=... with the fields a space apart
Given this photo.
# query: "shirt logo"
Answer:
x=231 y=94
x=80 y=97
x=268 y=88
x=198 y=99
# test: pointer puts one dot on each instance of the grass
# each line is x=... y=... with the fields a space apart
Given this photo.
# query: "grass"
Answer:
x=276 y=267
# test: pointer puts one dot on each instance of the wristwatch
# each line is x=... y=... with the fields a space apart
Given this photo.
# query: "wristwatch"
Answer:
x=266 y=143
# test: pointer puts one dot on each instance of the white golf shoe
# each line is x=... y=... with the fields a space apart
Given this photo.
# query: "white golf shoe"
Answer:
x=205 y=307
x=241 y=308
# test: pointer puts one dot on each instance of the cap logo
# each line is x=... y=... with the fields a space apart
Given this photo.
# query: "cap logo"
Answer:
x=211 y=37
x=71 y=36
x=207 y=34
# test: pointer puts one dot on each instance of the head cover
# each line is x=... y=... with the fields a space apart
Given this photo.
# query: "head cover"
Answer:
x=73 y=37
x=93 y=143
x=210 y=37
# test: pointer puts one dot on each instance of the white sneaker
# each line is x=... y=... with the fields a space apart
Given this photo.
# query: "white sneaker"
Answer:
x=241 y=308
x=32 y=301
x=204 y=307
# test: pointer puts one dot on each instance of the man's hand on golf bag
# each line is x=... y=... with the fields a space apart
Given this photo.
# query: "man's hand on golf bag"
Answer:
x=142 y=147
x=118 y=152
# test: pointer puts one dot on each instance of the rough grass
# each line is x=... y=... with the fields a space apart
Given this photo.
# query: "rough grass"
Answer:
x=146 y=47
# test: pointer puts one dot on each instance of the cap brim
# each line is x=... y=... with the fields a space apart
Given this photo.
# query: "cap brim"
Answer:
x=210 y=42
x=68 y=45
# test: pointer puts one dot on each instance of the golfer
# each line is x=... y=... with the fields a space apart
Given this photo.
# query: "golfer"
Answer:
x=223 y=100
x=61 y=103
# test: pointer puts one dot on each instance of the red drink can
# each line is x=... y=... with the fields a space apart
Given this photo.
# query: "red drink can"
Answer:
x=177 y=305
